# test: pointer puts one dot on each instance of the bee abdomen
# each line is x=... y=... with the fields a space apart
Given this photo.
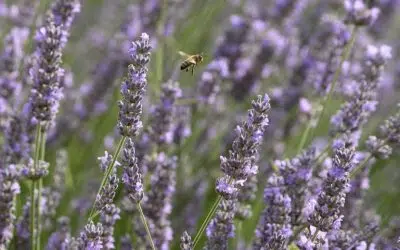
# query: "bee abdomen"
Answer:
x=184 y=65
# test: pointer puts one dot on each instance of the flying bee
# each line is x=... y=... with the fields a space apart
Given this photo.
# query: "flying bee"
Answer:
x=190 y=61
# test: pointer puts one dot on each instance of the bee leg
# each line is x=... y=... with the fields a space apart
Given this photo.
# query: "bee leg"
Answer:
x=187 y=69
x=194 y=65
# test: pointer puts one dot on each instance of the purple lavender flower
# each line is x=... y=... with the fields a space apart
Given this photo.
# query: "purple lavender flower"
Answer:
x=58 y=239
x=186 y=242
x=240 y=163
x=30 y=172
x=359 y=13
x=132 y=177
x=22 y=227
x=107 y=192
x=109 y=216
x=355 y=112
x=157 y=205
x=162 y=117
x=16 y=146
x=9 y=188
x=209 y=84
x=245 y=197
x=274 y=226
x=326 y=49
x=327 y=214
x=52 y=195
x=229 y=45
x=92 y=236
x=221 y=227
x=133 y=88
x=64 y=12
x=389 y=137
x=297 y=174
x=46 y=93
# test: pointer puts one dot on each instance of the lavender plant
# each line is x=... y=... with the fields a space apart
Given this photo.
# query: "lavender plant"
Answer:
x=312 y=167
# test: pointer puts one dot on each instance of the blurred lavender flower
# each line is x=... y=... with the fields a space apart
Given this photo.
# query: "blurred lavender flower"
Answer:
x=389 y=137
x=297 y=174
x=92 y=237
x=10 y=61
x=132 y=177
x=22 y=227
x=245 y=197
x=355 y=112
x=360 y=13
x=133 y=88
x=240 y=163
x=274 y=227
x=157 y=204
x=221 y=227
x=9 y=189
x=58 y=239
x=16 y=146
x=327 y=214
x=186 y=241
x=209 y=84
x=52 y=195
x=30 y=172
x=326 y=48
x=182 y=129
x=107 y=192
x=229 y=46
x=109 y=216
x=162 y=117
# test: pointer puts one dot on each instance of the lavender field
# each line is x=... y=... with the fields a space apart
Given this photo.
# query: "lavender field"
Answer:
x=286 y=135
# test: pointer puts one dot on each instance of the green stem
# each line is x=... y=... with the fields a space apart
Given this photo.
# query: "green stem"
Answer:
x=105 y=177
x=326 y=100
x=143 y=218
x=33 y=221
x=206 y=221
x=40 y=185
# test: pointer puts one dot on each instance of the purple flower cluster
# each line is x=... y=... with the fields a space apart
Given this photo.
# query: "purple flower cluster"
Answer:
x=327 y=181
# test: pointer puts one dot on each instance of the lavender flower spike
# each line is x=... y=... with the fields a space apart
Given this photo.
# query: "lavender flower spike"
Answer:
x=133 y=88
x=274 y=227
x=45 y=94
x=221 y=226
x=64 y=13
x=186 y=242
x=326 y=215
x=9 y=188
x=240 y=163
x=132 y=178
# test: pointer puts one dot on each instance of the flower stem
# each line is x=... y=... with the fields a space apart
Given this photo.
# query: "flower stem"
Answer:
x=105 y=177
x=206 y=221
x=325 y=101
x=40 y=185
x=33 y=187
x=143 y=218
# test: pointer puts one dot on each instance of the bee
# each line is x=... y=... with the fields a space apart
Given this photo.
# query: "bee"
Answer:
x=190 y=61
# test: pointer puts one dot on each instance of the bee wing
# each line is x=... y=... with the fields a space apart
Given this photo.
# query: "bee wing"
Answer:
x=183 y=54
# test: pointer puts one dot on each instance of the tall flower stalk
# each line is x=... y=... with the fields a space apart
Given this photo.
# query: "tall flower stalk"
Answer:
x=130 y=110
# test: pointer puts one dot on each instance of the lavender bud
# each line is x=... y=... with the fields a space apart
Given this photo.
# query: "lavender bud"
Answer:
x=46 y=93
x=92 y=236
x=161 y=130
x=64 y=12
x=16 y=146
x=274 y=226
x=132 y=177
x=9 y=188
x=332 y=197
x=221 y=226
x=246 y=196
x=30 y=172
x=378 y=148
x=240 y=163
x=390 y=130
x=157 y=205
x=109 y=216
x=58 y=239
x=186 y=241
x=133 y=88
